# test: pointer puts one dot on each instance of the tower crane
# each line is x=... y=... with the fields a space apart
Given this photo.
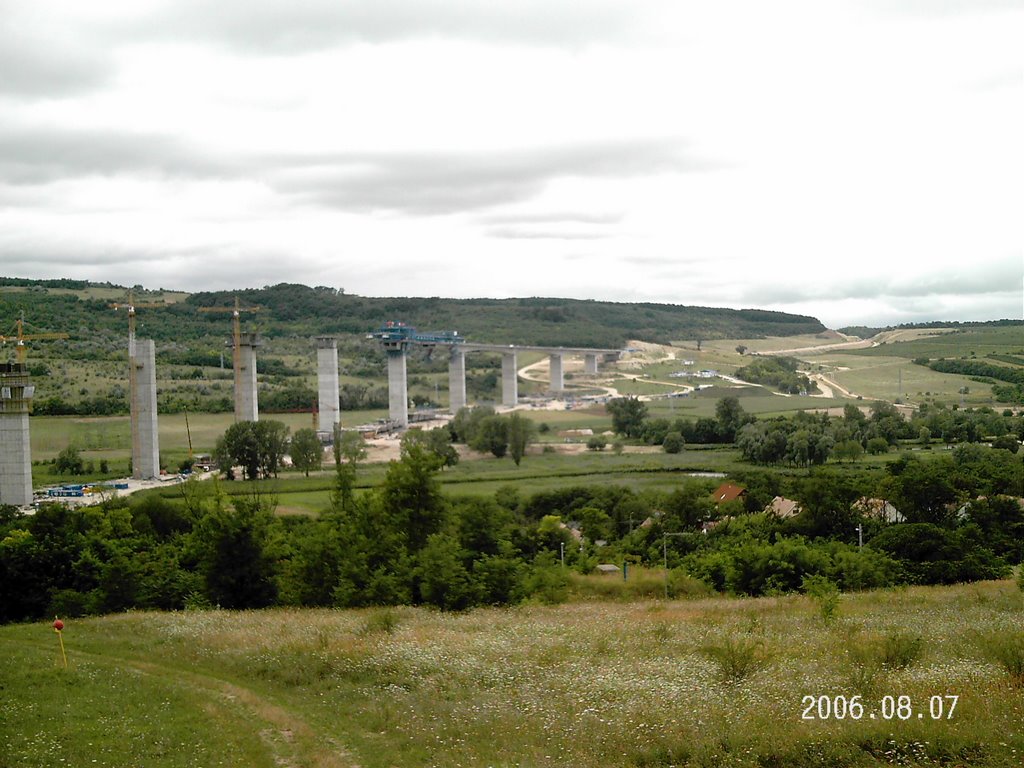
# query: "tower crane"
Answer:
x=131 y=305
x=20 y=337
x=236 y=336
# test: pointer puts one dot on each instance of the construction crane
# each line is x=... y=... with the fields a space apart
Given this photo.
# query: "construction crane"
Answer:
x=236 y=336
x=133 y=406
x=20 y=337
x=236 y=325
x=131 y=306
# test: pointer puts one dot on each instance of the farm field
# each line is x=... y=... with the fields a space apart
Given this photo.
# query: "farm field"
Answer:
x=878 y=377
x=703 y=682
x=944 y=342
x=538 y=472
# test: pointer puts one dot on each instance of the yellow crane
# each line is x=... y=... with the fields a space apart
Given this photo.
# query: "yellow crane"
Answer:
x=20 y=337
x=133 y=406
x=131 y=306
x=236 y=336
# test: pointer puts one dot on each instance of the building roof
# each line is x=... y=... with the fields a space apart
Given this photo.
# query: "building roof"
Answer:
x=728 y=492
x=880 y=509
x=783 y=507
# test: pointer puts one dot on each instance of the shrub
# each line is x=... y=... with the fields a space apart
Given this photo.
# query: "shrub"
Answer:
x=737 y=658
x=673 y=442
x=546 y=582
x=877 y=445
x=380 y=622
x=1006 y=649
x=596 y=443
x=69 y=462
x=898 y=650
x=825 y=593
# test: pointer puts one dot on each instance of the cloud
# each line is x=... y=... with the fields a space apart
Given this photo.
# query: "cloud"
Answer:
x=299 y=26
x=433 y=183
x=31 y=69
x=520 y=233
x=941 y=7
x=43 y=58
x=981 y=280
x=37 y=155
x=553 y=217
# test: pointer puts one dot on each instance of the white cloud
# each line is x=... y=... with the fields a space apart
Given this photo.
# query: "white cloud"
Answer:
x=857 y=160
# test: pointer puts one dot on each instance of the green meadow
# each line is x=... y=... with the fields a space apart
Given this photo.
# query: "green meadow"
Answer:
x=922 y=676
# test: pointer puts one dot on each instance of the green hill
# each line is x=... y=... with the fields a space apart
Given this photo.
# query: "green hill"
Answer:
x=73 y=307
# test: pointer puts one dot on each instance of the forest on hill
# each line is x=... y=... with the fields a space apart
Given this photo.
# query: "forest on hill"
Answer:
x=298 y=310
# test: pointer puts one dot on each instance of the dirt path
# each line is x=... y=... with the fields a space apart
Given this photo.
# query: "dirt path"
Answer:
x=290 y=741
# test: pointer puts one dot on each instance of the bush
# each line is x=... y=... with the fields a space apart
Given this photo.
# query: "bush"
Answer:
x=1006 y=649
x=825 y=593
x=380 y=622
x=69 y=462
x=737 y=658
x=596 y=443
x=898 y=650
x=673 y=442
x=546 y=582
x=877 y=445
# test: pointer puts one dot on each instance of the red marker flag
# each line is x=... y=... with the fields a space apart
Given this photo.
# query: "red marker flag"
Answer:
x=58 y=626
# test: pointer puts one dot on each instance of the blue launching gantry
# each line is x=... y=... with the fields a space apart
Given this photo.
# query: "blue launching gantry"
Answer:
x=396 y=335
x=396 y=338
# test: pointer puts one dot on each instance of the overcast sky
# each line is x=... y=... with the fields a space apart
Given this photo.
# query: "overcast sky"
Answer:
x=858 y=161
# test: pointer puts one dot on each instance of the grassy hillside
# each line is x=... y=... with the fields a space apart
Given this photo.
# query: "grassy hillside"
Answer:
x=300 y=310
x=705 y=682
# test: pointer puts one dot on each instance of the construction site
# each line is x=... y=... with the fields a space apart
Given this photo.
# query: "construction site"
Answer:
x=395 y=338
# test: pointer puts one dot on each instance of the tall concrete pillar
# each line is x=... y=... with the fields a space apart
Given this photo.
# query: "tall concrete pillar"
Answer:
x=246 y=398
x=15 y=451
x=457 y=379
x=555 y=366
x=145 y=440
x=327 y=383
x=398 y=387
x=509 y=379
x=590 y=364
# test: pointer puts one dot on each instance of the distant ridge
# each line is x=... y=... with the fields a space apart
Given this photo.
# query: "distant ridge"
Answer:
x=867 y=331
x=293 y=309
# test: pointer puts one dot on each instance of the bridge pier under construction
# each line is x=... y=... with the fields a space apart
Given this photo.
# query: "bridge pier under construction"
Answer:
x=246 y=395
x=16 y=391
x=145 y=434
x=329 y=413
x=396 y=338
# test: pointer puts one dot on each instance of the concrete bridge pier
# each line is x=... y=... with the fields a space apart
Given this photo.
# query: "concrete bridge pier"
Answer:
x=327 y=384
x=146 y=440
x=555 y=367
x=15 y=452
x=246 y=398
x=398 y=388
x=590 y=364
x=509 y=379
x=456 y=379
